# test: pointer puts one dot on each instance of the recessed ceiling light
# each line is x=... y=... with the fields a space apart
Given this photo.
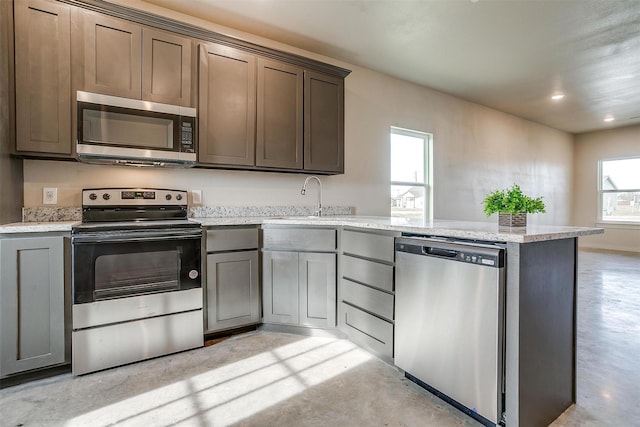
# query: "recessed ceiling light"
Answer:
x=609 y=119
x=557 y=96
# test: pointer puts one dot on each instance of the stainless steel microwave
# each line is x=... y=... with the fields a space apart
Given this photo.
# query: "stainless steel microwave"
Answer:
x=127 y=131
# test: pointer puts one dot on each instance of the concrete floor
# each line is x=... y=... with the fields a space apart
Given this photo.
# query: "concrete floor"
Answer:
x=273 y=379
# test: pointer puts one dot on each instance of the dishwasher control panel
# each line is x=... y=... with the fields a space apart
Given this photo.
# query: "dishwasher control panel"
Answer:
x=483 y=255
x=478 y=258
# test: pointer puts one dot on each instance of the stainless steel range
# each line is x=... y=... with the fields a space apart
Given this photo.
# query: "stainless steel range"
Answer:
x=137 y=290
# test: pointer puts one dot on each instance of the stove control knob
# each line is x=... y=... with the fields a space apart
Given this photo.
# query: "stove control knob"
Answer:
x=168 y=197
x=106 y=196
x=179 y=197
x=93 y=196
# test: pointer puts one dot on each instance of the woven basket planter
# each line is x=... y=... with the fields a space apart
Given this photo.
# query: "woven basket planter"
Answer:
x=512 y=220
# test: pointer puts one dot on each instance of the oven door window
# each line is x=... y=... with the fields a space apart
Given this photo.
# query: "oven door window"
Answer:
x=138 y=273
x=105 y=270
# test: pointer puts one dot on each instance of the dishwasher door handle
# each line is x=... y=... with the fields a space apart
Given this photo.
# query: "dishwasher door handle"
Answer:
x=428 y=250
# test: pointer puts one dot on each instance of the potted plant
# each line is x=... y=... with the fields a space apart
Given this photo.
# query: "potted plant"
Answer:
x=512 y=206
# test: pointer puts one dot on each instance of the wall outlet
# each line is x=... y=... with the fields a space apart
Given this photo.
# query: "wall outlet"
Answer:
x=49 y=196
x=196 y=197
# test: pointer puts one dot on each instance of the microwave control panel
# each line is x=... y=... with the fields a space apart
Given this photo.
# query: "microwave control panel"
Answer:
x=186 y=136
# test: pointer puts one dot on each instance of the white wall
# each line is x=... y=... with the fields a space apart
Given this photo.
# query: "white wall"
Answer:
x=589 y=149
x=476 y=150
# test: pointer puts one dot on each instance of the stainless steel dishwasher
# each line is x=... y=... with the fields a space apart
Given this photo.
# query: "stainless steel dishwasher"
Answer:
x=449 y=327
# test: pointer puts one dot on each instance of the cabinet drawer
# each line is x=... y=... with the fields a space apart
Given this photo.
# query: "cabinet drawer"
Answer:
x=303 y=239
x=368 y=330
x=368 y=272
x=368 y=245
x=378 y=302
x=231 y=239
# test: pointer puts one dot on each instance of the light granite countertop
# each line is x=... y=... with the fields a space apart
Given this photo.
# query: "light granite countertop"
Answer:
x=488 y=231
x=37 y=227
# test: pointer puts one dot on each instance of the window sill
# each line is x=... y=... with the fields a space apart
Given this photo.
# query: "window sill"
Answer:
x=619 y=224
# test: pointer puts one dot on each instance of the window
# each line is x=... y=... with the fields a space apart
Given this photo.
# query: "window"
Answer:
x=620 y=190
x=410 y=172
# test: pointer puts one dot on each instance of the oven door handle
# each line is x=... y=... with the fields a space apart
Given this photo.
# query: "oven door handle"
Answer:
x=121 y=238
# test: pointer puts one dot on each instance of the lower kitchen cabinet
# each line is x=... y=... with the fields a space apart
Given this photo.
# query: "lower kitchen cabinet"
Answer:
x=299 y=284
x=280 y=287
x=233 y=288
x=299 y=288
x=367 y=289
x=32 y=303
x=368 y=330
x=317 y=287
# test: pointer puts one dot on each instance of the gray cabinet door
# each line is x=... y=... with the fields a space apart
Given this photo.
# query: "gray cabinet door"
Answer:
x=233 y=293
x=166 y=68
x=112 y=56
x=226 y=106
x=280 y=287
x=279 y=115
x=31 y=303
x=43 y=76
x=323 y=123
x=317 y=281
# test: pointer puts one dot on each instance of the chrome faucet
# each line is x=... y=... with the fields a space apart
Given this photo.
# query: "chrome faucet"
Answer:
x=304 y=191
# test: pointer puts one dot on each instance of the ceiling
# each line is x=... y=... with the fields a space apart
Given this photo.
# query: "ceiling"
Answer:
x=511 y=55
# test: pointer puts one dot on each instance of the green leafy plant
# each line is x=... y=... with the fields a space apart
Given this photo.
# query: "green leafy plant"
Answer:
x=512 y=200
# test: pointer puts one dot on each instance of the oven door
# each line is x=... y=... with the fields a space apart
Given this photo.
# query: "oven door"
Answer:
x=116 y=264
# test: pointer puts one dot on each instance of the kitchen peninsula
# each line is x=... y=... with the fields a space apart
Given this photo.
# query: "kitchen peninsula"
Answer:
x=540 y=307
x=540 y=288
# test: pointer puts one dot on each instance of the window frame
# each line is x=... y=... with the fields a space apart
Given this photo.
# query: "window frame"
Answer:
x=427 y=179
x=600 y=218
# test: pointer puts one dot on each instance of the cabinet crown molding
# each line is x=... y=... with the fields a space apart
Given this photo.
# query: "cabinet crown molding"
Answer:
x=168 y=24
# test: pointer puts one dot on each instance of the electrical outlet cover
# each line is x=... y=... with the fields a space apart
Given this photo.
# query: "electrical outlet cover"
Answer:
x=196 y=196
x=49 y=196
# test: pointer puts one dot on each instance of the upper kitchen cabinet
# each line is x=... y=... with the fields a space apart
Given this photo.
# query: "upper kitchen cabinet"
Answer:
x=226 y=106
x=323 y=123
x=264 y=114
x=122 y=58
x=112 y=56
x=166 y=67
x=258 y=108
x=250 y=110
x=43 y=77
x=279 y=115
